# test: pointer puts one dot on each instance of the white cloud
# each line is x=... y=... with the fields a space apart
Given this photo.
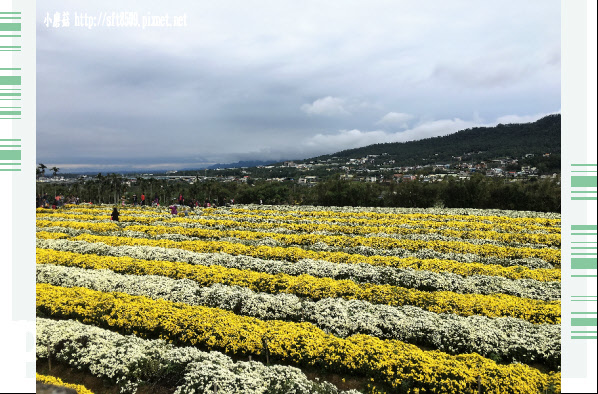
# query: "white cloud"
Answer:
x=345 y=139
x=506 y=119
x=327 y=106
x=348 y=139
x=395 y=119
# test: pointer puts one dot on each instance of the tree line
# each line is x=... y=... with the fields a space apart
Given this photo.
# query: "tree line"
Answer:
x=478 y=192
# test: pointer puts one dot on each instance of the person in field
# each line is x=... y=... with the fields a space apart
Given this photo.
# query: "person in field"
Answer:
x=142 y=199
x=114 y=215
x=173 y=210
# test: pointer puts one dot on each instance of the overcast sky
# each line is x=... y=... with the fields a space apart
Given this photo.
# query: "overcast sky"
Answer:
x=276 y=80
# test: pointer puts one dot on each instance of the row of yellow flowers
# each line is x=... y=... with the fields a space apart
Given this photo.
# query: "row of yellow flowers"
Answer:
x=435 y=221
x=546 y=239
x=385 y=223
x=47 y=379
x=104 y=216
x=473 y=222
x=414 y=216
x=298 y=214
x=389 y=361
x=99 y=210
x=296 y=254
x=92 y=226
x=488 y=250
x=494 y=305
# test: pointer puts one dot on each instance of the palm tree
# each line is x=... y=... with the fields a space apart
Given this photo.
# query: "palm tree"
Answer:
x=54 y=170
x=42 y=168
x=38 y=172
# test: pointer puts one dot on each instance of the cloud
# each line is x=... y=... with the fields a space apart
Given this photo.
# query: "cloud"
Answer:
x=276 y=79
x=126 y=167
x=346 y=139
x=506 y=119
x=395 y=119
x=326 y=106
x=483 y=74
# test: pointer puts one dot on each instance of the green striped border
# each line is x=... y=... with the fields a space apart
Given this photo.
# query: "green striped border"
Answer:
x=10 y=90
x=10 y=48
x=10 y=157
x=584 y=253
x=584 y=227
x=589 y=180
x=10 y=154
x=10 y=112
x=584 y=298
x=8 y=80
x=584 y=322
x=584 y=181
x=583 y=264
x=589 y=320
x=10 y=26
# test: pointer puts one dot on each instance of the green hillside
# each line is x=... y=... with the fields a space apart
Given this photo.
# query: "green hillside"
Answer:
x=512 y=140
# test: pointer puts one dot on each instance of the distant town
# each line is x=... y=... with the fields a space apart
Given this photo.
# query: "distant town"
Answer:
x=370 y=168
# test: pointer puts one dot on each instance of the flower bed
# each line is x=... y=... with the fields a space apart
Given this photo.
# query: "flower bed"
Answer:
x=410 y=300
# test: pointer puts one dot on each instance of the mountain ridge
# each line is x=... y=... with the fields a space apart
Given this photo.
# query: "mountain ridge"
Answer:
x=514 y=139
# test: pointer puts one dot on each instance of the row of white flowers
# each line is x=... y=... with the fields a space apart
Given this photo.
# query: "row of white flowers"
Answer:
x=128 y=361
x=403 y=211
x=440 y=223
x=506 y=338
x=531 y=262
x=360 y=273
x=290 y=209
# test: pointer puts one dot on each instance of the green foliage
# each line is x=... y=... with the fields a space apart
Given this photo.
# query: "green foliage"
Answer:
x=513 y=140
x=478 y=192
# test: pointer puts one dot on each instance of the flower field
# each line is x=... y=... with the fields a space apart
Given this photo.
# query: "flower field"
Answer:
x=262 y=299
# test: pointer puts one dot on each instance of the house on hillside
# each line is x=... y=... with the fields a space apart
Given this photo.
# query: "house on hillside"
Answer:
x=308 y=180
